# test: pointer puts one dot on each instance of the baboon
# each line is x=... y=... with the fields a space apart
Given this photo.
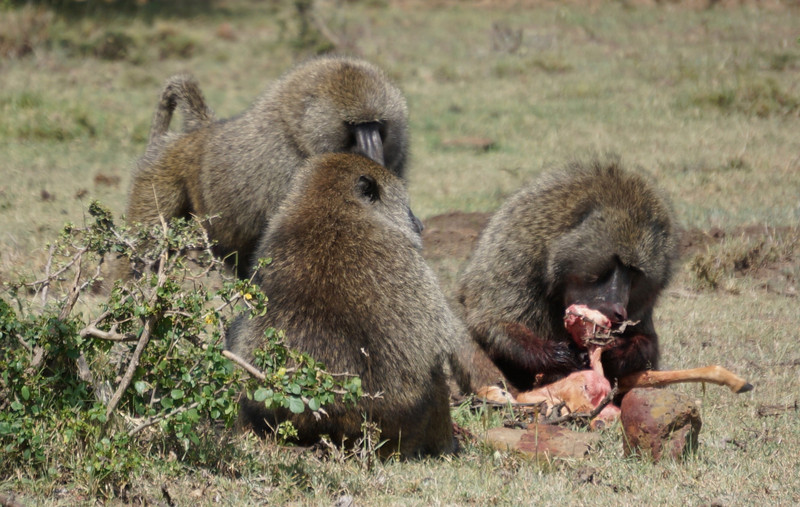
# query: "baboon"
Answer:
x=349 y=286
x=238 y=170
x=592 y=233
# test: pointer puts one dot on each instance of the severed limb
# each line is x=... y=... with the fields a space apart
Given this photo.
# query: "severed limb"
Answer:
x=713 y=374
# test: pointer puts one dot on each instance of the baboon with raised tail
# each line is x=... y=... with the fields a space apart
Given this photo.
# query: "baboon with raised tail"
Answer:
x=238 y=170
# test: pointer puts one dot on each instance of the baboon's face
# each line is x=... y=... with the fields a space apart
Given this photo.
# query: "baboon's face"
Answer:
x=355 y=110
x=606 y=287
x=610 y=264
x=378 y=135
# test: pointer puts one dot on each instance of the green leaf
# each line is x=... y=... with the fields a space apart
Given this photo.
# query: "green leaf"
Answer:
x=314 y=404
x=177 y=394
x=26 y=393
x=140 y=386
x=262 y=393
x=296 y=405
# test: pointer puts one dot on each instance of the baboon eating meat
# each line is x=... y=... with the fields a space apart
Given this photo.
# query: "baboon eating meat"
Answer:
x=348 y=285
x=238 y=170
x=591 y=234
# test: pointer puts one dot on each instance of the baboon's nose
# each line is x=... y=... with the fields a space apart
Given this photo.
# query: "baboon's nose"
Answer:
x=368 y=140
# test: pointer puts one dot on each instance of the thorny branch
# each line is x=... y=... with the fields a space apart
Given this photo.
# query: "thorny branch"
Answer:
x=45 y=282
x=147 y=330
x=584 y=417
x=158 y=418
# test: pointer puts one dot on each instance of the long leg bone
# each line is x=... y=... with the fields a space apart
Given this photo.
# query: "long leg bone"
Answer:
x=714 y=374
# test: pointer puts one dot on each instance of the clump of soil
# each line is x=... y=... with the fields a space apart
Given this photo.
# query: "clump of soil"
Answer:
x=452 y=234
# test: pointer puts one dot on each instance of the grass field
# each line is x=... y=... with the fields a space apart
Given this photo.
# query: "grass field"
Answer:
x=706 y=100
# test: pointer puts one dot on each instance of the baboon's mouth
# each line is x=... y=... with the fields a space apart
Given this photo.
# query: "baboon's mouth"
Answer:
x=587 y=326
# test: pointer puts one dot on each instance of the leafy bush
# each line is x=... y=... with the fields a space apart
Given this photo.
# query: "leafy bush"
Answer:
x=147 y=371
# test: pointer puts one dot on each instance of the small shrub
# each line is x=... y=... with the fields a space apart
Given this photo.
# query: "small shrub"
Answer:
x=146 y=372
x=111 y=45
x=171 y=43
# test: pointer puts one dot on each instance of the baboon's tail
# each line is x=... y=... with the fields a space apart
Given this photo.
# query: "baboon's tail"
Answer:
x=181 y=91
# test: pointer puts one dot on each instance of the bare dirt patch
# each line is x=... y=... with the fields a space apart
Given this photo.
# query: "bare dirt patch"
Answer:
x=452 y=234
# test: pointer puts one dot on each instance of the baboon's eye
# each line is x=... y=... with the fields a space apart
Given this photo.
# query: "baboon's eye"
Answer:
x=591 y=279
x=637 y=276
x=351 y=135
x=368 y=188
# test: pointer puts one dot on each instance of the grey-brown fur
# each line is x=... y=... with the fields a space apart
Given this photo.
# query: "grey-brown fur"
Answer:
x=549 y=236
x=180 y=92
x=347 y=274
x=239 y=169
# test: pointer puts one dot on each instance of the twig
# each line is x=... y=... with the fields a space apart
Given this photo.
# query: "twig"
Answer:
x=110 y=335
x=74 y=292
x=574 y=416
x=91 y=330
x=47 y=274
x=249 y=368
x=255 y=372
x=146 y=333
x=153 y=420
x=38 y=357
x=326 y=32
x=92 y=278
x=132 y=365
x=53 y=276
x=206 y=247
x=515 y=404
x=27 y=346
x=773 y=410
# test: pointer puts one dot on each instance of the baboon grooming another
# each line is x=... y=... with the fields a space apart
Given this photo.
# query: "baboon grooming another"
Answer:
x=349 y=286
x=239 y=169
x=592 y=234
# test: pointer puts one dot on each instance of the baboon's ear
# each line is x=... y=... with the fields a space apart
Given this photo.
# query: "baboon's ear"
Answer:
x=368 y=187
